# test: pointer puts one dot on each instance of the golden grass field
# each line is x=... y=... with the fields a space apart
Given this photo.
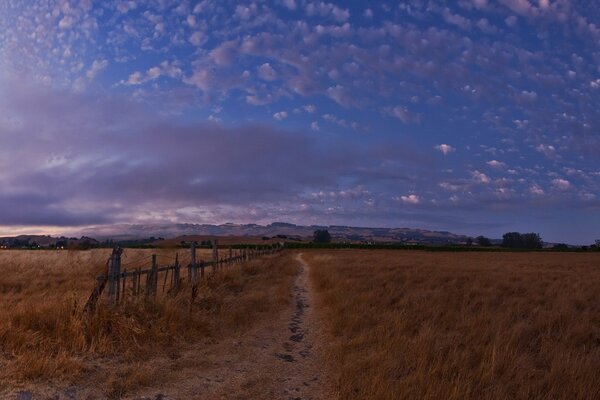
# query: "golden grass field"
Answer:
x=424 y=325
x=395 y=324
x=46 y=339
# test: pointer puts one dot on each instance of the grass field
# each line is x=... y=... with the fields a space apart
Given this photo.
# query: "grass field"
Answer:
x=419 y=325
x=45 y=339
x=396 y=324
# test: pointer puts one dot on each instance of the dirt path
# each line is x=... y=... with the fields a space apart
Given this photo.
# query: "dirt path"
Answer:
x=278 y=360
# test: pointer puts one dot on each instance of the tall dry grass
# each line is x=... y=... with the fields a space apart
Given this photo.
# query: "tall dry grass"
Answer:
x=419 y=325
x=45 y=336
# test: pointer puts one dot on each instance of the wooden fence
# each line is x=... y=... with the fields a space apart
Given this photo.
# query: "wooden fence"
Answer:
x=122 y=282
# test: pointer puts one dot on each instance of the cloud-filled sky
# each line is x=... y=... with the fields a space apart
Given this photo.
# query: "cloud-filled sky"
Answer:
x=474 y=116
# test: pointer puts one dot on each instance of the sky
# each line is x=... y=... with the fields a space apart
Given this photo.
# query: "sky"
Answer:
x=473 y=116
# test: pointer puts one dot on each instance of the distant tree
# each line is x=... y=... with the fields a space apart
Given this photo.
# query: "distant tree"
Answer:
x=469 y=242
x=532 y=241
x=321 y=236
x=516 y=240
x=512 y=240
x=483 y=241
x=560 y=246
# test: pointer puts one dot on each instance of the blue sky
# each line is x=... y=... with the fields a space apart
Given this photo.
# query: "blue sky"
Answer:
x=474 y=116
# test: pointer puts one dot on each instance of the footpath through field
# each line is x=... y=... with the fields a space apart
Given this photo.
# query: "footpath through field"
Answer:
x=277 y=360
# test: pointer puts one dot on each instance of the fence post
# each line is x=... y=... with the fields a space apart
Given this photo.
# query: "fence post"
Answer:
x=176 y=273
x=215 y=253
x=114 y=270
x=193 y=272
x=123 y=291
x=154 y=275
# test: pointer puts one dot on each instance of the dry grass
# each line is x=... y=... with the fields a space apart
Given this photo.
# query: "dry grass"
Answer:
x=45 y=338
x=418 y=325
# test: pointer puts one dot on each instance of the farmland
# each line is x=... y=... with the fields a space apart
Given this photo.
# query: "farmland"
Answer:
x=407 y=325
x=378 y=324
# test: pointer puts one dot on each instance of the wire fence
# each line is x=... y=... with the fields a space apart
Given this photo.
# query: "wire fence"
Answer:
x=164 y=273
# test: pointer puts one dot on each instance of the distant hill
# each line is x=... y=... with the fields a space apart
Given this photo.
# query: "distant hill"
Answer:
x=46 y=241
x=279 y=230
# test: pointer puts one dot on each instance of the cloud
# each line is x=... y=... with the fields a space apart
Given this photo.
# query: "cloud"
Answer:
x=561 y=184
x=135 y=78
x=411 y=199
x=66 y=22
x=133 y=159
x=341 y=95
x=496 y=164
x=480 y=177
x=547 y=150
x=310 y=108
x=197 y=38
x=445 y=149
x=290 y=4
x=404 y=115
x=96 y=67
x=280 y=116
x=266 y=72
x=536 y=190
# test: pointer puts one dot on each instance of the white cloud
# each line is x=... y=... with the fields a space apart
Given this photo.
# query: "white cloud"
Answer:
x=197 y=38
x=410 y=199
x=315 y=126
x=445 y=148
x=547 y=150
x=267 y=72
x=280 y=116
x=451 y=187
x=340 y=95
x=561 y=184
x=511 y=21
x=135 y=78
x=125 y=6
x=486 y=26
x=66 y=22
x=480 y=177
x=456 y=19
x=310 y=108
x=97 y=67
x=496 y=164
x=290 y=4
x=480 y=3
x=404 y=115
x=536 y=190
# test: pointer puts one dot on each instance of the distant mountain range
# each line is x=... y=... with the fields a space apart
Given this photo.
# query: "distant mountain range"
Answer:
x=338 y=233
x=236 y=233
